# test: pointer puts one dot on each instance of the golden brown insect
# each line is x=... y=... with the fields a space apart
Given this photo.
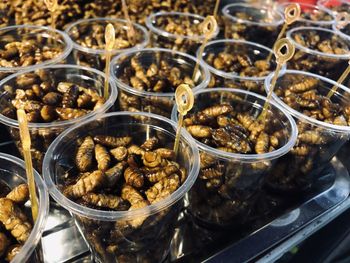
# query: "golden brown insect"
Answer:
x=20 y=194
x=156 y=174
x=311 y=137
x=137 y=83
x=52 y=98
x=152 y=70
x=150 y=144
x=115 y=173
x=85 y=185
x=211 y=173
x=301 y=150
x=84 y=101
x=106 y=201
x=102 y=157
x=151 y=159
x=69 y=113
x=13 y=251
x=134 y=177
x=206 y=160
x=262 y=143
x=4 y=243
x=48 y=113
x=111 y=141
x=70 y=97
x=165 y=153
x=84 y=154
x=199 y=131
x=217 y=110
x=305 y=85
x=163 y=188
x=134 y=149
x=119 y=153
x=33 y=116
x=63 y=87
x=244 y=60
x=262 y=64
x=27 y=79
x=14 y=220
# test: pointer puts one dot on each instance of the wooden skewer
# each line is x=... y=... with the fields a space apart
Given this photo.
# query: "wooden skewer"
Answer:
x=110 y=41
x=184 y=100
x=291 y=14
x=284 y=51
x=26 y=144
x=339 y=81
x=217 y=4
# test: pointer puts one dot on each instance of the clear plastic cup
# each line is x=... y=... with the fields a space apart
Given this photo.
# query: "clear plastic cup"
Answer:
x=161 y=103
x=42 y=37
x=248 y=78
x=103 y=230
x=343 y=30
x=12 y=174
x=252 y=23
x=326 y=62
x=162 y=37
x=311 y=15
x=228 y=203
x=89 y=42
x=298 y=170
x=42 y=134
x=337 y=6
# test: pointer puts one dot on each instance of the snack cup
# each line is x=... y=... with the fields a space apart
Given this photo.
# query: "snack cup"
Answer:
x=92 y=53
x=42 y=134
x=343 y=30
x=43 y=37
x=252 y=23
x=253 y=81
x=227 y=203
x=310 y=59
x=161 y=103
x=337 y=6
x=187 y=43
x=12 y=174
x=114 y=235
x=297 y=171
x=311 y=15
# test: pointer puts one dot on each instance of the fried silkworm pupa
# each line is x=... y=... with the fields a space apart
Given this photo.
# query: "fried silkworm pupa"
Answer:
x=52 y=98
x=119 y=153
x=102 y=157
x=83 y=159
x=134 y=177
x=199 y=131
x=165 y=153
x=206 y=160
x=111 y=141
x=69 y=113
x=156 y=174
x=115 y=173
x=211 y=173
x=106 y=201
x=305 y=85
x=85 y=185
x=14 y=220
x=48 y=113
x=163 y=188
x=150 y=144
x=217 y=110
x=151 y=159
x=20 y=194
x=134 y=149
x=70 y=97
x=262 y=143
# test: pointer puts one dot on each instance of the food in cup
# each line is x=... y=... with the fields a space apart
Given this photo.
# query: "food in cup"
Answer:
x=237 y=150
x=322 y=127
x=16 y=224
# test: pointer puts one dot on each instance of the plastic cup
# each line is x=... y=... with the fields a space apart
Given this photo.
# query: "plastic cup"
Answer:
x=229 y=204
x=42 y=134
x=12 y=174
x=251 y=81
x=252 y=23
x=337 y=6
x=343 y=30
x=298 y=170
x=161 y=37
x=43 y=36
x=103 y=230
x=89 y=42
x=161 y=103
x=311 y=15
x=309 y=58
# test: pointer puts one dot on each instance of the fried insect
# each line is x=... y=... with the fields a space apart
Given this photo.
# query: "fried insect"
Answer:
x=14 y=220
x=102 y=157
x=150 y=144
x=106 y=201
x=163 y=188
x=20 y=194
x=119 y=153
x=151 y=159
x=70 y=113
x=70 y=97
x=115 y=173
x=156 y=174
x=262 y=143
x=84 y=154
x=199 y=131
x=305 y=85
x=111 y=141
x=134 y=177
x=217 y=110
x=85 y=185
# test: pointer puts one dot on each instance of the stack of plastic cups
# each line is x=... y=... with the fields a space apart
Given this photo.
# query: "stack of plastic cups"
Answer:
x=187 y=43
x=42 y=134
x=89 y=43
x=250 y=77
x=252 y=23
x=337 y=6
x=12 y=174
x=318 y=141
x=226 y=200
x=132 y=98
x=111 y=235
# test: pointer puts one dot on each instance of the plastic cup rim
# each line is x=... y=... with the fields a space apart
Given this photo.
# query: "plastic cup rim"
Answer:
x=298 y=115
x=58 y=124
x=231 y=75
x=103 y=51
x=227 y=15
x=314 y=52
x=247 y=158
x=38 y=227
x=131 y=90
x=164 y=33
x=125 y=215
x=66 y=51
